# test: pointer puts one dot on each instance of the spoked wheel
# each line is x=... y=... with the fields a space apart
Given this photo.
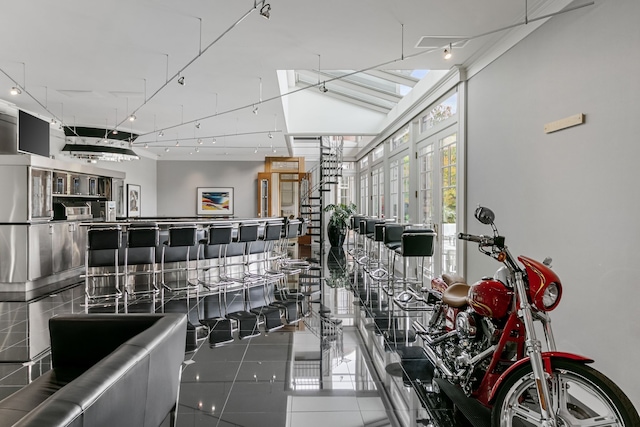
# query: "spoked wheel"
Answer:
x=581 y=396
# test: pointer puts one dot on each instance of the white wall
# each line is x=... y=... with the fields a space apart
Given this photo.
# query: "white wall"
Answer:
x=143 y=173
x=572 y=194
x=178 y=181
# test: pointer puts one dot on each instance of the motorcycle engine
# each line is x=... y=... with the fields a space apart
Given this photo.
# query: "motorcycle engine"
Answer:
x=466 y=325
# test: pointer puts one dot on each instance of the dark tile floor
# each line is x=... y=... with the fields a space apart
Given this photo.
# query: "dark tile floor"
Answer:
x=299 y=375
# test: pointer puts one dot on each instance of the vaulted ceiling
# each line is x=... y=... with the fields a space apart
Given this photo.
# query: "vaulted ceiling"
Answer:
x=93 y=64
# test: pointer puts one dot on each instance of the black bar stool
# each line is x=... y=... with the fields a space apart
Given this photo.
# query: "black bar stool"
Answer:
x=270 y=236
x=219 y=237
x=247 y=235
x=415 y=243
x=142 y=241
x=392 y=240
x=178 y=248
x=102 y=253
x=380 y=269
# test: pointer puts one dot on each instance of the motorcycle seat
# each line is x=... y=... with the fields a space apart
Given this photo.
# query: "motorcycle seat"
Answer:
x=456 y=295
x=450 y=279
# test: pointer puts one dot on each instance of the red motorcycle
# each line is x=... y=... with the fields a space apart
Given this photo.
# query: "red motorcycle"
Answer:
x=482 y=338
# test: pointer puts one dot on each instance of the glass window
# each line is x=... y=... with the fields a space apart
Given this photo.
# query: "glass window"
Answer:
x=377 y=192
x=374 y=193
x=405 y=189
x=363 y=163
x=393 y=189
x=378 y=152
x=346 y=189
x=439 y=113
x=425 y=160
x=449 y=181
x=399 y=139
x=364 y=194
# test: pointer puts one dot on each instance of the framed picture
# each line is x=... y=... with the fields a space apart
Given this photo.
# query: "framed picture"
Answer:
x=215 y=201
x=133 y=200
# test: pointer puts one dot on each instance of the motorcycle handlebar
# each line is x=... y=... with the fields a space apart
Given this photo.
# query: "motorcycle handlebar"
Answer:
x=477 y=239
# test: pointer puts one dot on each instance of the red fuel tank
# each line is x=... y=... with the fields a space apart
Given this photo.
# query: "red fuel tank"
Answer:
x=490 y=298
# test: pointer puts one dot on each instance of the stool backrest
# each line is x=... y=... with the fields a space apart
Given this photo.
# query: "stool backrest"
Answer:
x=143 y=235
x=418 y=242
x=292 y=229
x=247 y=232
x=393 y=233
x=370 y=225
x=302 y=228
x=104 y=238
x=220 y=234
x=272 y=231
x=378 y=234
x=185 y=235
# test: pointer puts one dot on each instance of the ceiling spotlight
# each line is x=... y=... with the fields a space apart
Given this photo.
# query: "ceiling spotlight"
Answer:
x=181 y=81
x=115 y=131
x=255 y=151
x=177 y=143
x=15 y=91
x=265 y=10
x=255 y=109
x=213 y=141
x=197 y=125
x=322 y=88
x=447 y=52
x=270 y=135
x=166 y=150
x=200 y=141
x=197 y=149
x=161 y=134
x=146 y=145
x=274 y=150
x=132 y=118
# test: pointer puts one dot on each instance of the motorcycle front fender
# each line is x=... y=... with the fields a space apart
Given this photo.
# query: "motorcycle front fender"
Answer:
x=547 y=357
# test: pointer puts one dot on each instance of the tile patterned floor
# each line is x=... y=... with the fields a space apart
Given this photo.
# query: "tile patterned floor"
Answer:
x=289 y=377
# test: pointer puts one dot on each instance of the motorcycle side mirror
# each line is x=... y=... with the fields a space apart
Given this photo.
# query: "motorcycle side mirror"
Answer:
x=485 y=215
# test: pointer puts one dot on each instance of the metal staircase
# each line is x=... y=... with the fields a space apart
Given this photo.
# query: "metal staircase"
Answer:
x=321 y=180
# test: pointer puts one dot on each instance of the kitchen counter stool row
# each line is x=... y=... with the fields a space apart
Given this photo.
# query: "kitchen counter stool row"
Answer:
x=225 y=275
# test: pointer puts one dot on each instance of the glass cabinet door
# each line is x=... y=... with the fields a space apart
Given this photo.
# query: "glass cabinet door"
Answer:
x=40 y=194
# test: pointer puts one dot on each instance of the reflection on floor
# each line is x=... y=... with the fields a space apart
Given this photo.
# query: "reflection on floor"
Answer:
x=343 y=373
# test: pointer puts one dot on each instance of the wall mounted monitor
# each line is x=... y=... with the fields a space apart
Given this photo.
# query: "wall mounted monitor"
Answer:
x=33 y=135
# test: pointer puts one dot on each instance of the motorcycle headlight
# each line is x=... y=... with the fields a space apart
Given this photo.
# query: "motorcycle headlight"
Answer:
x=551 y=295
